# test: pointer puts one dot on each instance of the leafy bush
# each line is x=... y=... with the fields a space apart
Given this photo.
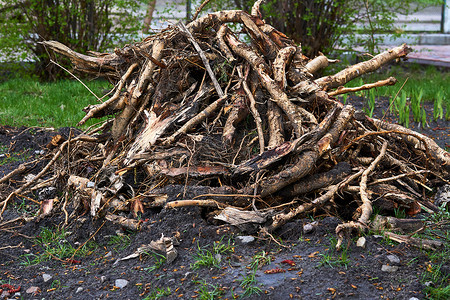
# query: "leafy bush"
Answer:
x=81 y=25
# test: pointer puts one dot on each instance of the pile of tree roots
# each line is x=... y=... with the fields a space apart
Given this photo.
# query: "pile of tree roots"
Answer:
x=225 y=113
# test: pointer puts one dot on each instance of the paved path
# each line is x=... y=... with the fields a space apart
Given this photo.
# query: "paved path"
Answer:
x=430 y=54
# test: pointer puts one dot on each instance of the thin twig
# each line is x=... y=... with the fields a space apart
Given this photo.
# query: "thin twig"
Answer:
x=204 y=59
x=98 y=98
x=199 y=9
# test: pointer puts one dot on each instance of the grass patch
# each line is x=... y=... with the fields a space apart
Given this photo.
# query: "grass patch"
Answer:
x=159 y=293
x=423 y=83
x=158 y=260
x=211 y=258
x=54 y=245
x=208 y=291
x=260 y=259
x=333 y=258
x=28 y=102
x=437 y=283
x=119 y=242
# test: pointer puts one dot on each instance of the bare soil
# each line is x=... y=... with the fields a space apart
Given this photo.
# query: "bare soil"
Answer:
x=311 y=268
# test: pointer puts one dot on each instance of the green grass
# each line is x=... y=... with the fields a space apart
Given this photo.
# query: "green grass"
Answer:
x=437 y=227
x=248 y=284
x=426 y=82
x=119 y=242
x=333 y=258
x=52 y=244
x=260 y=259
x=211 y=258
x=158 y=293
x=208 y=291
x=26 y=101
x=158 y=259
x=427 y=78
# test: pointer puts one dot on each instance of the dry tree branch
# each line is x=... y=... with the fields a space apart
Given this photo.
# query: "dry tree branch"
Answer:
x=357 y=70
x=253 y=109
x=203 y=203
x=195 y=120
x=279 y=96
x=282 y=218
x=343 y=90
x=366 y=207
x=318 y=63
x=223 y=30
x=199 y=9
x=99 y=107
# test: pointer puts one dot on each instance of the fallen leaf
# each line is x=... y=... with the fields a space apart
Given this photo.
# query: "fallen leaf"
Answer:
x=312 y=255
x=136 y=206
x=274 y=271
x=288 y=262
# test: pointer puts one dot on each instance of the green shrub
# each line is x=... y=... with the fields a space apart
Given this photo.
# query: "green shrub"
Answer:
x=82 y=25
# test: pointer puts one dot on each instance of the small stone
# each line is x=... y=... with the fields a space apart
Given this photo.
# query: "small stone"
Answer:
x=121 y=283
x=46 y=277
x=386 y=268
x=308 y=228
x=393 y=259
x=361 y=242
x=413 y=298
x=102 y=279
x=245 y=239
x=79 y=290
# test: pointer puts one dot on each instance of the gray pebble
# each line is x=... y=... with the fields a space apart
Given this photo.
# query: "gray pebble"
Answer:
x=361 y=242
x=121 y=283
x=308 y=228
x=79 y=290
x=386 y=268
x=393 y=259
x=244 y=239
x=46 y=277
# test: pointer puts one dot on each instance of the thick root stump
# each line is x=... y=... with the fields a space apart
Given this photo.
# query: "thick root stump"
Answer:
x=201 y=118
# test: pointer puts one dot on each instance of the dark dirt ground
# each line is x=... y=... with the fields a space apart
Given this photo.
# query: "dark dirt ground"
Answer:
x=319 y=272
